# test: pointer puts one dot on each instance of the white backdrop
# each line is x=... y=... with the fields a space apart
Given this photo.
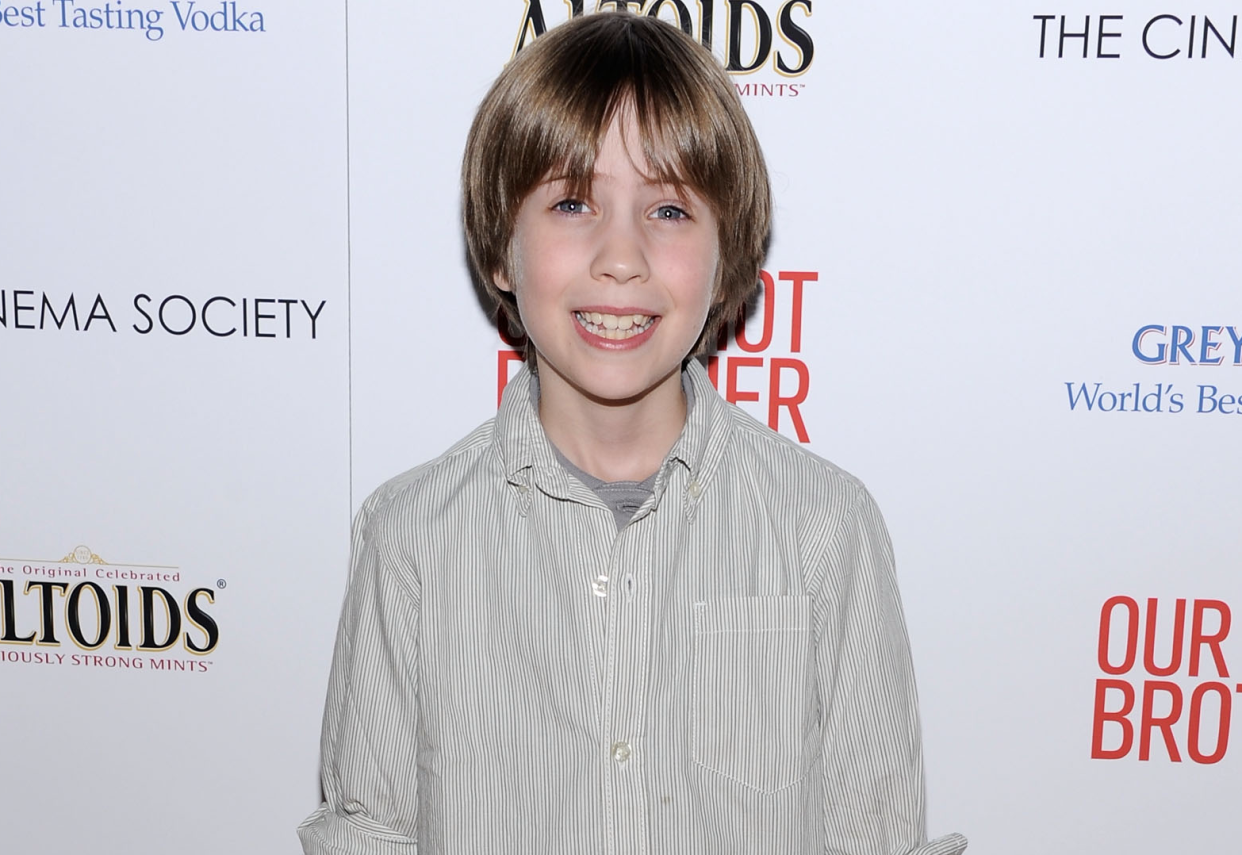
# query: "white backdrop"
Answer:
x=185 y=168
x=984 y=226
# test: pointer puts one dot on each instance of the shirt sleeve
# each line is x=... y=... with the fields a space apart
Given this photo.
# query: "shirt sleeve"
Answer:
x=369 y=747
x=872 y=750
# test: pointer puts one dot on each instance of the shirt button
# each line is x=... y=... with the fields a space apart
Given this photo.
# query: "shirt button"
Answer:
x=694 y=490
x=620 y=751
x=600 y=587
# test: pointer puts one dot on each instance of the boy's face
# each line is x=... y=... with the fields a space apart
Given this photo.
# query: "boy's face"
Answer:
x=613 y=289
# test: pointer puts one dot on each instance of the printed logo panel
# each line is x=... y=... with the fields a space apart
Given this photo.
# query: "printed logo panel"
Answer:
x=84 y=612
x=749 y=36
x=216 y=316
x=1204 y=346
x=1163 y=36
x=151 y=23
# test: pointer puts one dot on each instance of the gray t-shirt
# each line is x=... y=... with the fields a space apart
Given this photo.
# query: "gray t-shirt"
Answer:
x=623 y=498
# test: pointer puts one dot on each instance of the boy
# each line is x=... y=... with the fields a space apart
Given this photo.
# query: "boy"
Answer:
x=622 y=616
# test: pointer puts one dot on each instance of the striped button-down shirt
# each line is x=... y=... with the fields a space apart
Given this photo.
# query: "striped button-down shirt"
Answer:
x=728 y=673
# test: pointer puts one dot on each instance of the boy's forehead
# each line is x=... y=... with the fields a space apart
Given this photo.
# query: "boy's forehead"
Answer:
x=623 y=147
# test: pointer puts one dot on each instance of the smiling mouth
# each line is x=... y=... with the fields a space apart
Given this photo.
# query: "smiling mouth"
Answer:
x=614 y=327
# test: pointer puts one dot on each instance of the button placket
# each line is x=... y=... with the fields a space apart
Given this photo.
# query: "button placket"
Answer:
x=625 y=782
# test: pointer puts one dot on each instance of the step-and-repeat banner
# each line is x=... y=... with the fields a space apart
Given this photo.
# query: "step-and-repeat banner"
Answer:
x=174 y=506
x=1001 y=291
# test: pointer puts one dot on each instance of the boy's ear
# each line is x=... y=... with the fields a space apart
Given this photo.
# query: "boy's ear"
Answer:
x=501 y=281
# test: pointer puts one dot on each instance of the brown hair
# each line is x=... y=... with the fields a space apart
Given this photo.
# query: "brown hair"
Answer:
x=550 y=109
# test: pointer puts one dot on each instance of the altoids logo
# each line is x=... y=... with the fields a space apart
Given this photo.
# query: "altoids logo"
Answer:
x=751 y=34
x=83 y=611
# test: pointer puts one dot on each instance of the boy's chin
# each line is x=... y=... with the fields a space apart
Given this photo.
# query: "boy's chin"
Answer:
x=620 y=388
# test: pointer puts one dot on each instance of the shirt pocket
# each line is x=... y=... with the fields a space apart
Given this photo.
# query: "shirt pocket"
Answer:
x=753 y=685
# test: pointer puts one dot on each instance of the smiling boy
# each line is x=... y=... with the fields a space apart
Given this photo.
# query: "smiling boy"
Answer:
x=622 y=616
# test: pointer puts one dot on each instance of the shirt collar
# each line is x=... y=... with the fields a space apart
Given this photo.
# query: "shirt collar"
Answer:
x=529 y=460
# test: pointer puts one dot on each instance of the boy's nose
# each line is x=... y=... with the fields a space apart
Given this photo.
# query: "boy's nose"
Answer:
x=620 y=255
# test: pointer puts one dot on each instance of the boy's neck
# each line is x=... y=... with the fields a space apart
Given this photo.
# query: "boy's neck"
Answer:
x=614 y=441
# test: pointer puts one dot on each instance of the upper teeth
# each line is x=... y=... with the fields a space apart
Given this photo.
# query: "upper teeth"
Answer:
x=613 y=326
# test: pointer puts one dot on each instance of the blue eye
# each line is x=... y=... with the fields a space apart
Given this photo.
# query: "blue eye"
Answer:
x=671 y=213
x=571 y=206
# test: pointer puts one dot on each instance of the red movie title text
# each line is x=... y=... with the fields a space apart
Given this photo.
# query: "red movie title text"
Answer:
x=1180 y=703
